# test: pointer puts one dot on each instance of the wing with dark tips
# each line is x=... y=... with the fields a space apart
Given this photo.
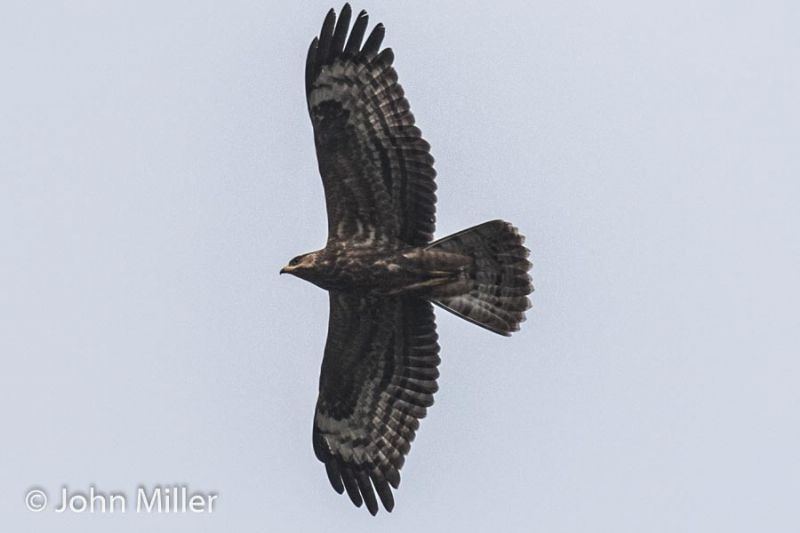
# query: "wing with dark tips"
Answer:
x=378 y=378
x=376 y=167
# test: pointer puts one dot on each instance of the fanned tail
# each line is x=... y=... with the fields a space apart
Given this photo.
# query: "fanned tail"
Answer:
x=494 y=292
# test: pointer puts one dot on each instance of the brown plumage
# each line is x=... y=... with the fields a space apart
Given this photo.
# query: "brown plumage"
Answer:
x=380 y=267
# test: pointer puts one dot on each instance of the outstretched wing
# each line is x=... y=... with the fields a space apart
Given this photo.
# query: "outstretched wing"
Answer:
x=376 y=167
x=378 y=377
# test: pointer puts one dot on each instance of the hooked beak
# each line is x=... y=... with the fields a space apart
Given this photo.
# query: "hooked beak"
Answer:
x=285 y=270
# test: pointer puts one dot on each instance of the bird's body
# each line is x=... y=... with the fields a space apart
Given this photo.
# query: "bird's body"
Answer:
x=382 y=268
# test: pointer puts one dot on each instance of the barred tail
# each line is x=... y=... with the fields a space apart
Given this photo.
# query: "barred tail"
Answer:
x=494 y=292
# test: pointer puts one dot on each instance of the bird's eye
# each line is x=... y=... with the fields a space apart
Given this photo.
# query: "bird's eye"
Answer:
x=295 y=261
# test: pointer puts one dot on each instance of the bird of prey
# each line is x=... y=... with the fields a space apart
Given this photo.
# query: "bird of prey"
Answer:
x=382 y=268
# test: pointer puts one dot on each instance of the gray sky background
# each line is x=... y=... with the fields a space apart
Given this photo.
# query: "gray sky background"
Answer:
x=157 y=169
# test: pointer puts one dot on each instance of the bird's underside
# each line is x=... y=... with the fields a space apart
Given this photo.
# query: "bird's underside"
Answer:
x=381 y=268
x=384 y=270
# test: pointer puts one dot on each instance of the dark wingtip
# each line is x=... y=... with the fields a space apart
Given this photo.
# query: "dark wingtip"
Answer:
x=383 y=490
x=311 y=62
x=386 y=57
x=365 y=487
x=339 y=33
x=330 y=20
x=372 y=507
x=325 y=37
x=393 y=477
x=374 y=41
x=334 y=476
x=333 y=41
x=352 y=486
x=357 y=33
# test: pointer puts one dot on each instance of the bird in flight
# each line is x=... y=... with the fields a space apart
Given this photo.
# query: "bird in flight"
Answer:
x=382 y=268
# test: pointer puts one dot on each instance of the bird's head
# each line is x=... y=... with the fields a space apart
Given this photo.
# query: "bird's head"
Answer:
x=300 y=265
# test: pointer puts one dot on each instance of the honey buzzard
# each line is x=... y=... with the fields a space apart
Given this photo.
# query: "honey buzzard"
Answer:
x=382 y=268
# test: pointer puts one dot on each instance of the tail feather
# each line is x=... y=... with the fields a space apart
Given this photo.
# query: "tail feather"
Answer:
x=494 y=292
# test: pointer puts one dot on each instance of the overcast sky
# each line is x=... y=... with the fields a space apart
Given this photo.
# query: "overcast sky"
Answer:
x=157 y=169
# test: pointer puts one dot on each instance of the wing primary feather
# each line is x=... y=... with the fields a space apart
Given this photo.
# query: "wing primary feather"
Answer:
x=393 y=476
x=325 y=37
x=334 y=476
x=383 y=490
x=385 y=58
x=340 y=33
x=367 y=492
x=351 y=486
x=374 y=41
x=311 y=64
x=357 y=34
